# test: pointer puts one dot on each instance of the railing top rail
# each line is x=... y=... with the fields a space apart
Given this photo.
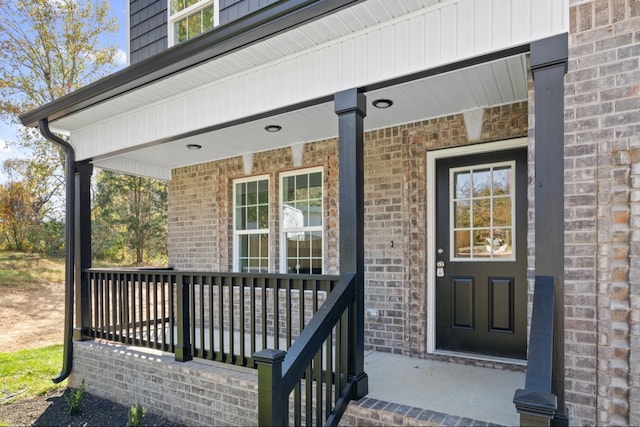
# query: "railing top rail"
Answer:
x=164 y=270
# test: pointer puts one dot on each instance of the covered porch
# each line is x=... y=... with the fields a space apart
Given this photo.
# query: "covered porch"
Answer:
x=275 y=83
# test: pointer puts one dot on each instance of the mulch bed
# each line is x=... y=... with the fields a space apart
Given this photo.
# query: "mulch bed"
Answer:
x=52 y=410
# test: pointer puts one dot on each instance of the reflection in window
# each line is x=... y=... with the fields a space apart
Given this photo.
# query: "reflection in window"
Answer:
x=482 y=211
x=301 y=223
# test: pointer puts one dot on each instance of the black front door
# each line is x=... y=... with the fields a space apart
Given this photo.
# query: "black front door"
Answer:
x=481 y=254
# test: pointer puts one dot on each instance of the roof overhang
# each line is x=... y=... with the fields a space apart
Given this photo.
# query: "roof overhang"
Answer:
x=219 y=91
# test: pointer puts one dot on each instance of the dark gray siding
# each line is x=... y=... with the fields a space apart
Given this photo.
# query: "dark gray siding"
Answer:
x=231 y=10
x=148 y=32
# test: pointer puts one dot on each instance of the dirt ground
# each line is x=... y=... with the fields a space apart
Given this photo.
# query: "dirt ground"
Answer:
x=32 y=317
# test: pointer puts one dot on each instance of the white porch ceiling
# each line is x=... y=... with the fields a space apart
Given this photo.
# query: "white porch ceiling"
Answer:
x=145 y=130
x=490 y=84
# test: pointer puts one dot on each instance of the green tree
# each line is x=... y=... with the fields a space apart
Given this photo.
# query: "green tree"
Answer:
x=129 y=218
x=28 y=220
x=49 y=48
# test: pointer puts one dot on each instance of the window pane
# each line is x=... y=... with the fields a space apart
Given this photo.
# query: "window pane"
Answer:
x=501 y=211
x=462 y=243
x=241 y=194
x=252 y=218
x=195 y=25
x=180 y=30
x=241 y=220
x=252 y=193
x=243 y=249
x=315 y=213
x=288 y=189
x=502 y=181
x=502 y=243
x=482 y=213
x=207 y=19
x=316 y=244
x=302 y=187
x=263 y=191
x=263 y=217
x=462 y=185
x=481 y=243
x=482 y=182
x=462 y=217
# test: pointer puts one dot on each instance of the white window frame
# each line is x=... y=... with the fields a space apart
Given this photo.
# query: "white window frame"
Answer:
x=315 y=228
x=237 y=233
x=201 y=4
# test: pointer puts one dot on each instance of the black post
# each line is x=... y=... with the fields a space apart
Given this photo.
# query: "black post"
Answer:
x=183 y=346
x=535 y=403
x=82 y=253
x=351 y=108
x=272 y=403
x=549 y=65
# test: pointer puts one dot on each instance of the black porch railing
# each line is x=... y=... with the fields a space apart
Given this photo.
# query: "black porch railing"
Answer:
x=311 y=365
x=535 y=403
x=224 y=317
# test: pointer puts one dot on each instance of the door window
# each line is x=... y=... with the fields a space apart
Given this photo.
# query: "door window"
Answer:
x=482 y=212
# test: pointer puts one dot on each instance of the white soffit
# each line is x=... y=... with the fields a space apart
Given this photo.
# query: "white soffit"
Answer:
x=495 y=83
x=371 y=42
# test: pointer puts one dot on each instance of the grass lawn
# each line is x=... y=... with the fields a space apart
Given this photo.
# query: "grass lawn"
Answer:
x=28 y=373
x=19 y=269
x=31 y=292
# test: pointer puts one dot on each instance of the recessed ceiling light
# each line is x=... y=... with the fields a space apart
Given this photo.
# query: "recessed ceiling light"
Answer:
x=273 y=128
x=382 y=103
x=194 y=146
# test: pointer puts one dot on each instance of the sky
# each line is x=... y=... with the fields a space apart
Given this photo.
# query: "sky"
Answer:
x=8 y=132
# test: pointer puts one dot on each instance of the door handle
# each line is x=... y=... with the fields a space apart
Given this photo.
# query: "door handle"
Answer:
x=440 y=269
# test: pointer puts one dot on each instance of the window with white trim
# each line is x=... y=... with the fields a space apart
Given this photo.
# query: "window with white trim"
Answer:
x=188 y=18
x=251 y=225
x=301 y=222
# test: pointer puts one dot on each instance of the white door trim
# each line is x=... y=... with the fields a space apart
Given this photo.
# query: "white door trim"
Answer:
x=432 y=156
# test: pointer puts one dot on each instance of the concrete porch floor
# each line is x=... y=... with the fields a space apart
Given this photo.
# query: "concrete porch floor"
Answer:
x=476 y=393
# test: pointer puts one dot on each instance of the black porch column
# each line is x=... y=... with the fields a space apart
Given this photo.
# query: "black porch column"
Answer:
x=82 y=254
x=350 y=106
x=549 y=65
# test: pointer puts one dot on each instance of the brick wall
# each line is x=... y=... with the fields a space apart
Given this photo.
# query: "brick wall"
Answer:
x=200 y=215
x=602 y=151
x=190 y=393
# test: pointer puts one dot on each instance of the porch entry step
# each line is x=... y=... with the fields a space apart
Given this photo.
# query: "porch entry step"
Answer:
x=368 y=411
x=421 y=391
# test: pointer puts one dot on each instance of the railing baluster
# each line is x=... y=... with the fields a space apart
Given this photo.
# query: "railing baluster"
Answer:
x=252 y=320
x=241 y=287
x=202 y=351
x=328 y=375
x=220 y=282
x=276 y=313
x=212 y=329
x=288 y=313
x=263 y=313
x=172 y=283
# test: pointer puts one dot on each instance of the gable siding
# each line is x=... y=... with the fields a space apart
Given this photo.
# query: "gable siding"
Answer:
x=148 y=23
x=148 y=28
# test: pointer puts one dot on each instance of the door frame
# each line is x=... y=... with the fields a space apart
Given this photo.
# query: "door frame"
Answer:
x=432 y=156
